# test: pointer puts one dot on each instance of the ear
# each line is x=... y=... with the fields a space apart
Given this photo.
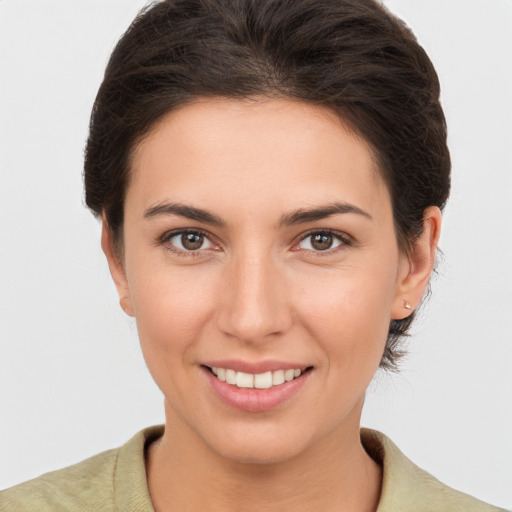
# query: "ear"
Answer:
x=116 y=267
x=416 y=267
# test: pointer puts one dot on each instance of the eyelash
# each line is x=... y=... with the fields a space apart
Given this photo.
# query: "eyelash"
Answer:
x=344 y=239
x=165 y=241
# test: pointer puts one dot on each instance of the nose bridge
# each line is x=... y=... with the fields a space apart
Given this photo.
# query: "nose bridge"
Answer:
x=254 y=305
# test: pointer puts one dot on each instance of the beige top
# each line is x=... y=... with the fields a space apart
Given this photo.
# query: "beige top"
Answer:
x=115 y=480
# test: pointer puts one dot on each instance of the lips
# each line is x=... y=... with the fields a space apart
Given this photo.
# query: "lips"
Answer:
x=255 y=387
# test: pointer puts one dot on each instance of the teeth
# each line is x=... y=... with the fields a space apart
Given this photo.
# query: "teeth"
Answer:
x=260 y=381
x=231 y=376
x=288 y=375
x=263 y=380
x=244 y=380
x=278 y=377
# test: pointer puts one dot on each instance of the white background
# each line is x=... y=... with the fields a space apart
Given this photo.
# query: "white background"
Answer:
x=72 y=379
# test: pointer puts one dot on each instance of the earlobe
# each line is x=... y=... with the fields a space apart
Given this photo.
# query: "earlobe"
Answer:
x=417 y=267
x=117 y=270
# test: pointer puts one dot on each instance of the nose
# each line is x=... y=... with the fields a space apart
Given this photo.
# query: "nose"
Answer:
x=254 y=306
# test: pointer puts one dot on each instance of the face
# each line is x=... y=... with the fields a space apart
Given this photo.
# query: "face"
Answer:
x=259 y=240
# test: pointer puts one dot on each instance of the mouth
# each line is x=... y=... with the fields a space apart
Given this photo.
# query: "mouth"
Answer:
x=262 y=387
x=265 y=380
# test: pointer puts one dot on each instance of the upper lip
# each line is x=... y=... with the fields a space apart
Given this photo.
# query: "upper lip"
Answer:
x=254 y=367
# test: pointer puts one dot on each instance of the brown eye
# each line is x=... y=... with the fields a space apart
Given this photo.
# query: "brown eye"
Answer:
x=192 y=241
x=322 y=241
x=189 y=241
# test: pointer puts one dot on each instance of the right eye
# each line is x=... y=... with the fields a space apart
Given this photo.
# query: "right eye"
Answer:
x=189 y=241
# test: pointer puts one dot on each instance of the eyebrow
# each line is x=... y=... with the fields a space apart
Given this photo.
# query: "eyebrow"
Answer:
x=189 y=212
x=302 y=215
x=297 y=217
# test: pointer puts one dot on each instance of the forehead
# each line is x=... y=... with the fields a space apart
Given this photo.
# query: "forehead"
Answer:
x=253 y=151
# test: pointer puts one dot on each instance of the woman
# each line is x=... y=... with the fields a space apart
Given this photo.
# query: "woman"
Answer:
x=269 y=176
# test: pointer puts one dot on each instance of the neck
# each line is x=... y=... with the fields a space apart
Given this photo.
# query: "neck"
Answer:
x=333 y=474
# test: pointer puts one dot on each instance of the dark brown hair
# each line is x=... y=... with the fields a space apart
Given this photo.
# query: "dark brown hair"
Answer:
x=351 y=56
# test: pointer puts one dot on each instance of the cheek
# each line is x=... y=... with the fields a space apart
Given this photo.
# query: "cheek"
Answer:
x=171 y=307
x=349 y=313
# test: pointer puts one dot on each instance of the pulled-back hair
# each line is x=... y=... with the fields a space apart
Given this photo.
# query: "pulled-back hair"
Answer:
x=352 y=56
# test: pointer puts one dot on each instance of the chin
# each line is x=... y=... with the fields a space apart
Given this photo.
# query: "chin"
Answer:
x=258 y=443
x=247 y=451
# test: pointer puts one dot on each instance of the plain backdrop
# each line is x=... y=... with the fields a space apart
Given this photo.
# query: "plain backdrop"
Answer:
x=72 y=378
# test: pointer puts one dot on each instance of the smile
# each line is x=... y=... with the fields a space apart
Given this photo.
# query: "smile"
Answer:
x=259 y=381
x=261 y=387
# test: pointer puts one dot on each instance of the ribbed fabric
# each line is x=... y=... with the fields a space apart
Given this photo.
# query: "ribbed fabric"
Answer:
x=115 y=481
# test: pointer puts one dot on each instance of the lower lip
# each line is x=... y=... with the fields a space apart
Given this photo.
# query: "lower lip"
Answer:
x=255 y=400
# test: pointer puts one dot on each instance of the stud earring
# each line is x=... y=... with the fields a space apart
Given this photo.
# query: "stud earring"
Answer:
x=407 y=304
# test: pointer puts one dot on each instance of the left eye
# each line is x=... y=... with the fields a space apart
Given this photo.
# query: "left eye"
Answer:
x=190 y=241
x=321 y=241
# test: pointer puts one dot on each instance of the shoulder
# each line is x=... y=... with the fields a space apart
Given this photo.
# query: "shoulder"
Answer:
x=101 y=482
x=89 y=481
x=407 y=487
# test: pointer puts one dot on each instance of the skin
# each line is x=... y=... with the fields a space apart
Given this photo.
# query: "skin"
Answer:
x=257 y=290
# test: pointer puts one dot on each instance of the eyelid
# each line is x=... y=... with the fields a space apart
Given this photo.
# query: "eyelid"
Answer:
x=345 y=239
x=166 y=237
